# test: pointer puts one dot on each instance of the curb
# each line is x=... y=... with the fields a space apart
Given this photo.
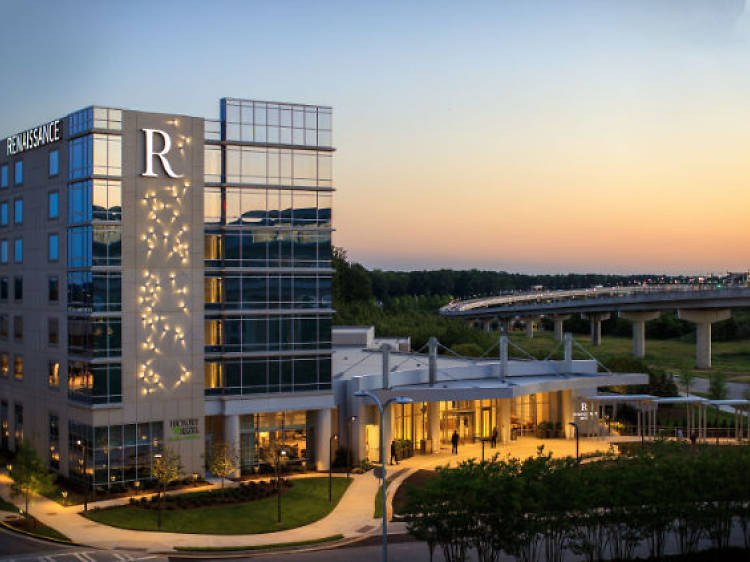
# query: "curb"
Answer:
x=327 y=545
x=34 y=535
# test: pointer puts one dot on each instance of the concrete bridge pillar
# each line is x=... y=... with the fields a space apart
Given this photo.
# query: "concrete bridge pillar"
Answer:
x=559 y=319
x=595 y=318
x=639 y=319
x=703 y=320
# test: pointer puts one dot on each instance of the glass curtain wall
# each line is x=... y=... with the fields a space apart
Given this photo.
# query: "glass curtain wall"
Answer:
x=268 y=194
x=94 y=255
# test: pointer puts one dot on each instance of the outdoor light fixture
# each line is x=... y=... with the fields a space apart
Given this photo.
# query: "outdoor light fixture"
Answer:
x=381 y=408
x=330 y=465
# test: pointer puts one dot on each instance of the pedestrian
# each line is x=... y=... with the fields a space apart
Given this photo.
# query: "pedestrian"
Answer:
x=454 y=442
x=679 y=433
x=494 y=438
x=393 y=452
x=693 y=437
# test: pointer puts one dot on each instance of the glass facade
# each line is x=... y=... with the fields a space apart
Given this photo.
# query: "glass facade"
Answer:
x=115 y=453
x=267 y=215
x=94 y=255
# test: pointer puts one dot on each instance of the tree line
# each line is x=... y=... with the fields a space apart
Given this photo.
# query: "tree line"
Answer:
x=544 y=508
x=396 y=301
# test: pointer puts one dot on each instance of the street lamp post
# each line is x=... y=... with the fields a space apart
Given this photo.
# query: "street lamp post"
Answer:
x=82 y=445
x=281 y=452
x=330 y=465
x=381 y=408
x=349 y=453
x=575 y=425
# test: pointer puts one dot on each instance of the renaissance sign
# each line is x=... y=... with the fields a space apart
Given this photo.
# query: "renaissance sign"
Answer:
x=34 y=138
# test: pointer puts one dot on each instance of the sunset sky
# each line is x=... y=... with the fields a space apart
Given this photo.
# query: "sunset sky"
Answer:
x=532 y=136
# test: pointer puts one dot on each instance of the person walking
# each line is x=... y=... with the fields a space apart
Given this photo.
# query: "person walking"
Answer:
x=454 y=442
x=494 y=438
x=393 y=452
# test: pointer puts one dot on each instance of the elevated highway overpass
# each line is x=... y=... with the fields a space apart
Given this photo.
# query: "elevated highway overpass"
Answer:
x=699 y=304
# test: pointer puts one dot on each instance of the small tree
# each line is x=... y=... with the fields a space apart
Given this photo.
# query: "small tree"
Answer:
x=29 y=474
x=686 y=378
x=167 y=468
x=717 y=386
x=224 y=460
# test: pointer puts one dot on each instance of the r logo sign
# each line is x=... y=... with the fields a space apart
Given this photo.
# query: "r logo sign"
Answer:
x=161 y=155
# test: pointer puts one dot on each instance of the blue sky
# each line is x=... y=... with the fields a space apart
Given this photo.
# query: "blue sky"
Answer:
x=529 y=135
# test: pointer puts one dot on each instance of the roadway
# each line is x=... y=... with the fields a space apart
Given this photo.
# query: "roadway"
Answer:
x=22 y=548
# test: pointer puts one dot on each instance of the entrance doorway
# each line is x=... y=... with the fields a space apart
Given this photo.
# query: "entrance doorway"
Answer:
x=462 y=422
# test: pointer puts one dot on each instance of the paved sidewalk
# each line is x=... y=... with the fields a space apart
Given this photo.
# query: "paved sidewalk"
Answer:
x=352 y=517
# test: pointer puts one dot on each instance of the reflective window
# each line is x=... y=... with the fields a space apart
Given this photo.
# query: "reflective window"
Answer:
x=80 y=121
x=53 y=331
x=105 y=118
x=4 y=326
x=18 y=175
x=54 y=439
x=80 y=157
x=107 y=199
x=18 y=328
x=18 y=288
x=53 y=247
x=106 y=245
x=212 y=205
x=276 y=123
x=212 y=163
x=4 y=251
x=53 y=204
x=107 y=155
x=18 y=367
x=4 y=213
x=79 y=202
x=53 y=289
x=53 y=373
x=18 y=250
x=4 y=288
x=54 y=162
x=4 y=364
x=97 y=337
x=4 y=176
x=96 y=384
x=18 y=211
x=272 y=166
x=79 y=247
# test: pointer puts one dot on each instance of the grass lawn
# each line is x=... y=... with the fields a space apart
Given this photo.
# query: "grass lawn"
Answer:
x=7 y=506
x=731 y=358
x=29 y=526
x=305 y=502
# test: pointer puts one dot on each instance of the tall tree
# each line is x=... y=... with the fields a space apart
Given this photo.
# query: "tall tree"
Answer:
x=224 y=460
x=167 y=468
x=30 y=475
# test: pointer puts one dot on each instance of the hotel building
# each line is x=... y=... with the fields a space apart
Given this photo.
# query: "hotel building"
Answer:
x=165 y=280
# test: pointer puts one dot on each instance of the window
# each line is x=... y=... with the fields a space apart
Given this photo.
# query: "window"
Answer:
x=18 y=367
x=18 y=328
x=107 y=118
x=97 y=337
x=53 y=331
x=54 y=163
x=18 y=424
x=98 y=292
x=53 y=373
x=4 y=364
x=53 y=289
x=18 y=250
x=53 y=205
x=18 y=288
x=212 y=163
x=3 y=176
x=53 y=247
x=18 y=176
x=4 y=213
x=98 y=384
x=106 y=200
x=18 y=211
x=107 y=155
x=4 y=251
x=4 y=288
x=4 y=326
x=79 y=202
x=54 y=442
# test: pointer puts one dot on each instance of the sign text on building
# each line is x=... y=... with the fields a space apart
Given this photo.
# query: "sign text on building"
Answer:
x=34 y=138
x=184 y=429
